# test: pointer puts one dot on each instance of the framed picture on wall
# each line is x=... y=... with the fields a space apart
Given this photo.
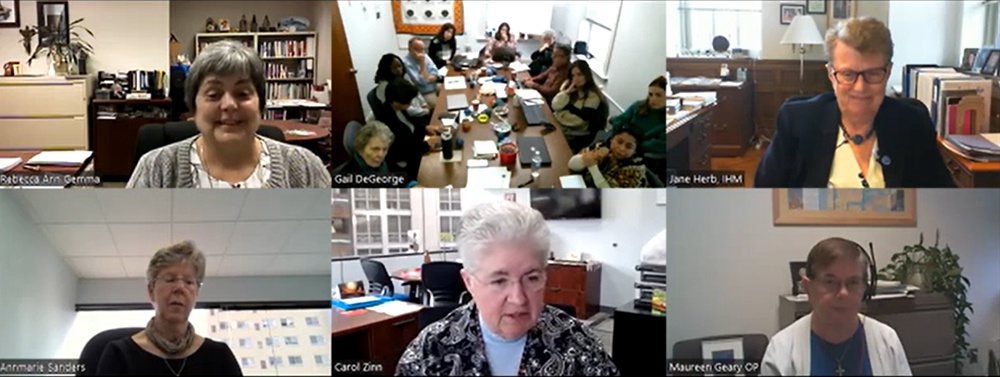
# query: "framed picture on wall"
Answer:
x=843 y=9
x=981 y=56
x=845 y=207
x=816 y=6
x=789 y=11
x=10 y=13
x=53 y=15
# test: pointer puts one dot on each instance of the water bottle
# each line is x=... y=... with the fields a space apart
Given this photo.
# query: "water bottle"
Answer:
x=536 y=164
x=447 y=151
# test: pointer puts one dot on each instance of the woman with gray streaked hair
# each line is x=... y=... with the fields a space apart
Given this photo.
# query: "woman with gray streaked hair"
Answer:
x=506 y=329
x=370 y=147
x=169 y=343
x=541 y=59
x=224 y=88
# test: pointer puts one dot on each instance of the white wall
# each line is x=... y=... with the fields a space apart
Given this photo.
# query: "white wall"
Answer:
x=909 y=22
x=727 y=263
x=640 y=43
x=216 y=289
x=127 y=35
x=673 y=28
x=37 y=289
x=773 y=30
x=629 y=219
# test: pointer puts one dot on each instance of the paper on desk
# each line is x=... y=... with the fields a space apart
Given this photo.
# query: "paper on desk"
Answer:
x=572 y=181
x=730 y=84
x=9 y=163
x=490 y=178
x=528 y=94
x=519 y=67
x=443 y=71
x=69 y=158
x=394 y=308
x=454 y=83
x=484 y=148
x=359 y=300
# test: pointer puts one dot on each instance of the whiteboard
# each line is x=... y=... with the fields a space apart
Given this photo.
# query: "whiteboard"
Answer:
x=529 y=17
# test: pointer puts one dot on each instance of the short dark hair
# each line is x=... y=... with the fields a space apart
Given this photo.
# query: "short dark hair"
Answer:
x=400 y=91
x=629 y=129
x=830 y=250
x=566 y=50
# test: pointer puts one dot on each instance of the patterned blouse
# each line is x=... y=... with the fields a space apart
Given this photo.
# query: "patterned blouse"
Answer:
x=558 y=345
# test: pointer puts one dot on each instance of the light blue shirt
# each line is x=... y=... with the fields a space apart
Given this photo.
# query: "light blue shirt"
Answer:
x=413 y=71
x=504 y=356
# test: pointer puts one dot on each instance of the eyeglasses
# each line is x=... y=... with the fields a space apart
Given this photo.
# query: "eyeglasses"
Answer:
x=872 y=76
x=532 y=282
x=188 y=283
x=833 y=285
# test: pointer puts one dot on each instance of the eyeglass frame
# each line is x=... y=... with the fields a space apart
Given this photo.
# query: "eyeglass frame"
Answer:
x=193 y=287
x=541 y=273
x=836 y=74
x=820 y=283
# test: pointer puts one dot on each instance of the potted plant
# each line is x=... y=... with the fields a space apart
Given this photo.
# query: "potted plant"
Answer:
x=64 y=47
x=936 y=270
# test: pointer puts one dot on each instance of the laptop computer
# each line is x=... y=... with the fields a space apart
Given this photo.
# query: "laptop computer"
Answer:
x=525 y=151
x=457 y=102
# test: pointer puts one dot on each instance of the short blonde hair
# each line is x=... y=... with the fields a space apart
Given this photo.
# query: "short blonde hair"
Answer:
x=181 y=252
x=865 y=34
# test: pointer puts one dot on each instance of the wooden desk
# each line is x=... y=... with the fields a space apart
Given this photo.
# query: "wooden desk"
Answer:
x=114 y=140
x=970 y=174
x=26 y=155
x=731 y=124
x=319 y=133
x=688 y=141
x=434 y=173
x=372 y=337
x=925 y=326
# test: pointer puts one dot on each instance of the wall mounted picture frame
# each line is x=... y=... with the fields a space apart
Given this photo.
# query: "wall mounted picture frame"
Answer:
x=798 y=271
x=53 y=13
x=426 y=17
x=722 y=350
x=843 y=9
x=845 y=207
x=10 y=13
x=992 y=63
x=816 y=6
x=789 y=11
x=969 y=58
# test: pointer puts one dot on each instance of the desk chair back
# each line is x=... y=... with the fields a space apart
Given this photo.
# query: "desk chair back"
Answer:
x=754 y=346
x=443 y=283
x=152 y=136
x=91 y=354
x=379 y=281
x=431 y=314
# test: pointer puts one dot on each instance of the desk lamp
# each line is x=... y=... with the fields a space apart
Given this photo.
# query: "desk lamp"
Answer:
x=802 y=32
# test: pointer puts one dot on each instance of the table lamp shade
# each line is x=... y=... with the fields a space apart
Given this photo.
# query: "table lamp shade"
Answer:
x=802 y=31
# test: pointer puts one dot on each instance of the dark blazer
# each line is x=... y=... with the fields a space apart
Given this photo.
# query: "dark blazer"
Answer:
x=801 y=154
x=435 y=49
x=408 y=145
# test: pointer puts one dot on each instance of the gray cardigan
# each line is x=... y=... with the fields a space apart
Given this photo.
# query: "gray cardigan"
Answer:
x=170 y=167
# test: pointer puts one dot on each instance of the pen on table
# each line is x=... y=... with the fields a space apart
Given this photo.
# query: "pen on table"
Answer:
x=32 y=168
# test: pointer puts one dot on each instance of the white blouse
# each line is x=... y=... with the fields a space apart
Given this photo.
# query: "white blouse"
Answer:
x=845 y=172
x=257 y=179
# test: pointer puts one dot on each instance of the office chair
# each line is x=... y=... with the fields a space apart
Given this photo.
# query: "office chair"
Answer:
x=571 y=310
x=920 y=106
x=373 y=101
x=91 y=354
x=431 y=314
x=443 y=283
x=379 y=281
x=754 y=346
x=152 y=136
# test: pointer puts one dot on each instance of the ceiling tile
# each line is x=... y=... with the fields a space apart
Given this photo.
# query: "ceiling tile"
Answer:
x=63 y=206
x=300 y=264
x=246 y=265
x=97 y=267
x=140 y=240
x=309 y=237
x=295 y=204
x=132 y=206
x=260 y=237
x=211 y=238
x=81 y=239
x=208 y=205
x=135 y=267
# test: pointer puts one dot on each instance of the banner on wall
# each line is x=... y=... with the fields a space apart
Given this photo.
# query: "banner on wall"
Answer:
x=426 y=17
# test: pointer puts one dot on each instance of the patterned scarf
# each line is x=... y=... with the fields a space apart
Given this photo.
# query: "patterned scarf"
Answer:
x=167 y=346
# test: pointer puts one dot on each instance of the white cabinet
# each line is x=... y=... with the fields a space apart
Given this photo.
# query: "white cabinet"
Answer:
x=42 y=112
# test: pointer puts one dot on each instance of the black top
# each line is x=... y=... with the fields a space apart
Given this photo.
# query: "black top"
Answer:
x=409 y=144
x=434 y=51
x=540 y=61
x=125 y=357
x=801 y=154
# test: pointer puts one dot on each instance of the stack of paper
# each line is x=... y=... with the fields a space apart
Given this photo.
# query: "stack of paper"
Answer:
x=484 y=149
x=519 y=67
x=64 y=158
x=395 y=308
x=981 y=147
x=488 y=178
x=572 y=181
x=9 y=163
x=454 y=83
x=528 y=94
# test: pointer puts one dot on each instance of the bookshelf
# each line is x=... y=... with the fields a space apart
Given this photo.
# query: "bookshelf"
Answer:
x=289 y=59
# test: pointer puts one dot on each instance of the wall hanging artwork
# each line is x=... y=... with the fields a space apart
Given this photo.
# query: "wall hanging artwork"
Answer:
x=426 y=17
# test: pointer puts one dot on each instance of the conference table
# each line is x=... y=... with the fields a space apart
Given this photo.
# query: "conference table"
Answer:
x=436 y=173
x=412 y=278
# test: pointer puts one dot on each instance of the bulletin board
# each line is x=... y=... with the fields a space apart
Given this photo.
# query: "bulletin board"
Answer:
x=426 y=17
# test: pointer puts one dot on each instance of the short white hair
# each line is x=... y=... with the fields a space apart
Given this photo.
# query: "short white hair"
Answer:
x=549 y=34
x=502 y=221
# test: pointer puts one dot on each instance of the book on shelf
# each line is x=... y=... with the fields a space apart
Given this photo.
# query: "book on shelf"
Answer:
x=281 y=90
x=282 y=49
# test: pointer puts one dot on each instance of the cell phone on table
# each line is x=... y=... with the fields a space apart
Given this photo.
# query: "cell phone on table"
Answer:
x=549 y=126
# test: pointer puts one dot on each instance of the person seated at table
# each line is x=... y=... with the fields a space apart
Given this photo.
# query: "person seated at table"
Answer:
x=413 y=138
x=615 y=162
x=648 y=116
x=506 y=329
x=549 y=82
x=422 y=71
x=224 y=88
x=542 y=58
x=576 y=104
x=370 y=146
x=501 y=38
x=443 y=46
x=390 y=67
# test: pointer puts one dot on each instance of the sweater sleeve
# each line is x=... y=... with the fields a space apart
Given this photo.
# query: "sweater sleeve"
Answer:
x=599 y=181
x=624 y=117
x=560 y=101
x=143 y=175
x=576 y=163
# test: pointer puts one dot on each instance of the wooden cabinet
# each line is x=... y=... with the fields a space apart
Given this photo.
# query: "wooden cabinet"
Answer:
x=925 y=326
x=115 y=128
x=574 y=284
x=731 y=125
x=372 y=337
x=689 y=144
x=968 y=174
x=42 y=112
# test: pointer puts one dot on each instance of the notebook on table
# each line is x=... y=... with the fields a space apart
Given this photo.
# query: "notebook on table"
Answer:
x=457 y=102
x=526 y=147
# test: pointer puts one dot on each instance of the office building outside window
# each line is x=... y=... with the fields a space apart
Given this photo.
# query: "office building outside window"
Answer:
x=268 y=342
